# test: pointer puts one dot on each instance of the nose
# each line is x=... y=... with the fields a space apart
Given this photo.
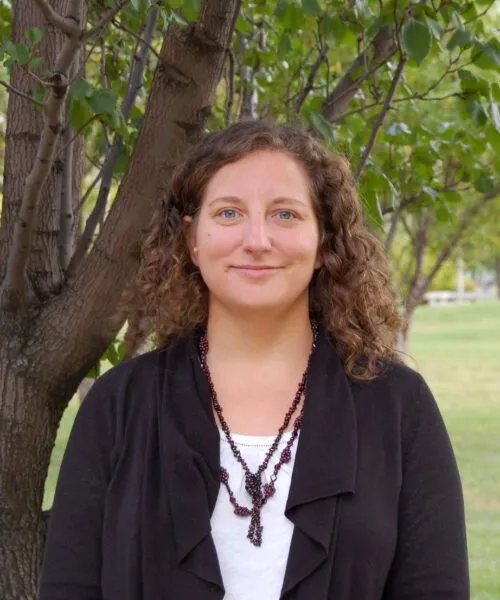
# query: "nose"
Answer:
x=256 y=237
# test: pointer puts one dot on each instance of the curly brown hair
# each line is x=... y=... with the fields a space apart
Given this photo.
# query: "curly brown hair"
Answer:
x=350 y=293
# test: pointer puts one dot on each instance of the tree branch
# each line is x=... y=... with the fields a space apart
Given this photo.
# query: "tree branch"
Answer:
x=13 y=293
x=384 y=46
x=380 y=119
x=419 y=242
x=230 y=88
x=393 y=227
x=66 y=216
x=107 y=18
x=83 y=199
x=311 y=77
x=248 y=93
x=66 y=24
x=138 y=38
x=22 y=94
x=134 y=85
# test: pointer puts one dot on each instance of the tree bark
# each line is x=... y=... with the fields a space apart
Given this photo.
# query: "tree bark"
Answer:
x=47 y=350
x=24 y=126
x=28 y=425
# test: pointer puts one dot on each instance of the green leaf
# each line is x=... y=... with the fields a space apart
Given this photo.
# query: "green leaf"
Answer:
x=455 y=17
x=495 y=92
x=446 y=12
x=290 y=15
x=479 y=114
x=373 y=209
x=486 y=56
x=435 y=28
x=177 y=19
x=417 y=40
x=94 y=372
x=34 y=35
x=461 y=38
x=495 y=114
x=452 y=196
x=141 y=5
x=332 y=29
x=112 y=355
x=190 y=9
x=311 y=8
x=285 y=45
x=79 y=113
x=443 y=212
x=23 y=54
x=484 y=183
x=103 y=101
x=392 y=190
x=35 y=63
x=120 y=348
x=321 y=124
x=81 y=89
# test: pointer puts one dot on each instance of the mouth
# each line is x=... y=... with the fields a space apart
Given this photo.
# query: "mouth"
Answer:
x=255 y=271
x=255 y=267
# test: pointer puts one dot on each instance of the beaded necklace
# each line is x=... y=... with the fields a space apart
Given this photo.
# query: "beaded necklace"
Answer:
x=258 y=492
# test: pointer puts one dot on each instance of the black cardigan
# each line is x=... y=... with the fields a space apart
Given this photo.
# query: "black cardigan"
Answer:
x=375 y=495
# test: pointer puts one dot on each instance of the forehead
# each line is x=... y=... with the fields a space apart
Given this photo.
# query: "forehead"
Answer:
x=263 y=173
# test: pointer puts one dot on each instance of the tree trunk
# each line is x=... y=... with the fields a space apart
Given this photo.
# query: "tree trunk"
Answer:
x=28 y=425
x=497 y=275
x=403 y=336
x=24 y=125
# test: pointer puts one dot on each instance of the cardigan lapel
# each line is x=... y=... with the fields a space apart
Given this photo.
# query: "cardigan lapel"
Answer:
x=325 y=465
x=191 y=464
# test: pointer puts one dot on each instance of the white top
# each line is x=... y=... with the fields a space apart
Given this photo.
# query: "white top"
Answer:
x=251 y=572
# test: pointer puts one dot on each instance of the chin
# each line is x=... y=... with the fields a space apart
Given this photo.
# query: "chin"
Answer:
x=262 y=303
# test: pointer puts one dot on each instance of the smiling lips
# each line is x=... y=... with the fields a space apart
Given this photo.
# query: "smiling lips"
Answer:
x=255 y=271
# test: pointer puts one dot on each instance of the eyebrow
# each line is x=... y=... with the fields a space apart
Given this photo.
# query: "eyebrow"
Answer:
x=276 y=201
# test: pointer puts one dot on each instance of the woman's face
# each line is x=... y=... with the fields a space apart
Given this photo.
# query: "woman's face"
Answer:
x=256 y=236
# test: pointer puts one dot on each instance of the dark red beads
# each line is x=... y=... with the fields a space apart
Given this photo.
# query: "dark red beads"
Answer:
x=286 y=455
x=268 y=490
x=258 y=493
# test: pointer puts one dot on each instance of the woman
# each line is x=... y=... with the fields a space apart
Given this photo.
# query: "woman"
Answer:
x=272 y=446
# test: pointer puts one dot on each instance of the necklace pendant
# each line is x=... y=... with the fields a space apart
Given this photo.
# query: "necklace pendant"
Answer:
x=253 y=486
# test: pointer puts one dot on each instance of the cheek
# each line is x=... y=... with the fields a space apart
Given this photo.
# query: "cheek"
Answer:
x=301 y=245
x=217 y=243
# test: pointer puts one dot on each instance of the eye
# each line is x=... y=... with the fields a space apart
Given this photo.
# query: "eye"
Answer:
x=286 y=215
x=228 y=213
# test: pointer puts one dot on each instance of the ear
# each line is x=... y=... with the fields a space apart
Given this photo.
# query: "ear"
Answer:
x=190 y=236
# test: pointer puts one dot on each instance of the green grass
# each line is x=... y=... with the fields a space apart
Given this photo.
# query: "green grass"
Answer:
x=457 y=349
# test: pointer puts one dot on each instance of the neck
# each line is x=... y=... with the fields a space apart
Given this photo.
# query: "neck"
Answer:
x=258 y=337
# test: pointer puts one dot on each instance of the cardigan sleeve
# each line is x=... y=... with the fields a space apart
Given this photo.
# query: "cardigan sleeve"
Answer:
x=431 y=556
x=72 y=559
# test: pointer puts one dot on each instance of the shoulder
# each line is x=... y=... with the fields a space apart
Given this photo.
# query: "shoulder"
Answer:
x=131 y=388
x=395 y=380
x=398 y=392
x=132 y=371
x=397 y=377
